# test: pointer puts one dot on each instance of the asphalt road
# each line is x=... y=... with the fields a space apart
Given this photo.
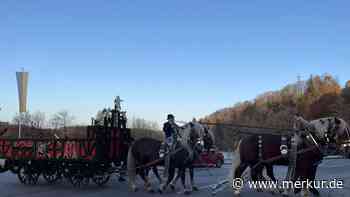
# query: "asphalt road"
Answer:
x=10 y=186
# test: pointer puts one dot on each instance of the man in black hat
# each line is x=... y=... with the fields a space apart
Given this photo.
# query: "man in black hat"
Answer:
x=170 y=130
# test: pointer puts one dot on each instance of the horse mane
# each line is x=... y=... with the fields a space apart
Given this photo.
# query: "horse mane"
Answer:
x=210 y=131
x=186 y=132
x=322 y=125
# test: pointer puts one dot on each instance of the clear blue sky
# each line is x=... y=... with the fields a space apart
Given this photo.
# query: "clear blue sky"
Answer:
x=186 y=57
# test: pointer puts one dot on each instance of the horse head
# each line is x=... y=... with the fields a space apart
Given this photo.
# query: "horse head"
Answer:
x=332 y=130
x=191 y=132
x=342 y=136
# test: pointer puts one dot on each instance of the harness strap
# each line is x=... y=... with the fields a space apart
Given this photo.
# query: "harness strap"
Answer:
x=292 y=157
x=260 y=154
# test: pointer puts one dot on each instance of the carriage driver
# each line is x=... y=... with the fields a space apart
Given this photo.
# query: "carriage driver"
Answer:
x=170 y=129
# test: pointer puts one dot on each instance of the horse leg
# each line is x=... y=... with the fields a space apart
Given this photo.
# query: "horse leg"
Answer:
x=144 y=176
x=194 y=187
x=171 y=174
x=156 y=173
x=183 y=181
x=174 y=181
x=312 y=174
x=269 y=172
x=132 y=171
x=297 y=175
x=256 y=174
x=237 y=176
x=238 y=167
x=304 y=190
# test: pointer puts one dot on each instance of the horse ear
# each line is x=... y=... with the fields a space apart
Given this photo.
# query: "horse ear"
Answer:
x=337 y=120
x=322 y=121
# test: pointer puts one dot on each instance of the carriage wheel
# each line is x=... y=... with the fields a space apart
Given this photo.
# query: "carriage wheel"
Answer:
x=28 y=175
x=21 y=175
x=51 y=175
x=14 y=167
x=78 y=179
x=101 y=178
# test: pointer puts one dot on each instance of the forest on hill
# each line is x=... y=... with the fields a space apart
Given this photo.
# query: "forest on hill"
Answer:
x=317 y=97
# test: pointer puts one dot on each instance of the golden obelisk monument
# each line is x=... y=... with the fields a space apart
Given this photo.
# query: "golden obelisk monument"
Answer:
x=22 y=85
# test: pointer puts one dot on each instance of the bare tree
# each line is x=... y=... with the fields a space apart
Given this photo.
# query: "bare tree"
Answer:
x=140 y=123
x=38 y=119
x=25 y=118
x=62 y=119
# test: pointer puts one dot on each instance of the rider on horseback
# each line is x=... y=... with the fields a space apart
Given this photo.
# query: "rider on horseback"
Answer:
x=171 y=130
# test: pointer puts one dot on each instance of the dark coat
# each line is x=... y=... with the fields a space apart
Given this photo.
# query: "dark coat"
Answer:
x=169 y=130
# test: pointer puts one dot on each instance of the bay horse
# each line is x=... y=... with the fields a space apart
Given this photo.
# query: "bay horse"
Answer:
x=143 y=155
x=323 y=131
x=331 y=130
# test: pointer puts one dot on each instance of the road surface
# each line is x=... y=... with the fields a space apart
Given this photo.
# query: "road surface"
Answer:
x=10 y=186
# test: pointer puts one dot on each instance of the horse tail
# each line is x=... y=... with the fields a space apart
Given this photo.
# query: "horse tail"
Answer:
x=131 y=166
x=3 y=165
x=236 y=159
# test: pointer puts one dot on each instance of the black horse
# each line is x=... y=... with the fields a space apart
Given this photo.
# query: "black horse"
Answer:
x=144 y=155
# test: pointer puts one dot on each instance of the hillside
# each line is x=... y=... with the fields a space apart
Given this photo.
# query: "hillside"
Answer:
x=319 y=96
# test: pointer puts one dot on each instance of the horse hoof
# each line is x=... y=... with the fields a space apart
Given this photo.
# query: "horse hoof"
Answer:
x=121 y=179
x=151 y=191
x=134 y=189
x=236 y=193
x=195 y=188
x=160 y=191
x=187 y=192
x=172 y=187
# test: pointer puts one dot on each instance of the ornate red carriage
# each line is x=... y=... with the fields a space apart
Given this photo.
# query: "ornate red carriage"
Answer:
x=96 y=157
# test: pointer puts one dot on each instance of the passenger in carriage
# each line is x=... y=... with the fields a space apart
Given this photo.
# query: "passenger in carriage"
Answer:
x=207 y=140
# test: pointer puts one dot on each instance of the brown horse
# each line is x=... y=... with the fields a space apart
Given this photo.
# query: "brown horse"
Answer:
x=336 y=132
x=144 y=155
x=324 y=131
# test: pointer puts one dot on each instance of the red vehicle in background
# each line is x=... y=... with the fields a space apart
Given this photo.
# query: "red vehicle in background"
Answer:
x=212 y=158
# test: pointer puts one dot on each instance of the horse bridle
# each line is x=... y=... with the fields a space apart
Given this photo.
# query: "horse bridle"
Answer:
x=329 y=136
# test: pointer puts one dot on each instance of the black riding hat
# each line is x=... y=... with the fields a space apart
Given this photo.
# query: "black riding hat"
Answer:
x=170 y=116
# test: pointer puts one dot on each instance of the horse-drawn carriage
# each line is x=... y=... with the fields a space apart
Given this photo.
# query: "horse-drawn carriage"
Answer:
x=212 y=159
x=95 y=157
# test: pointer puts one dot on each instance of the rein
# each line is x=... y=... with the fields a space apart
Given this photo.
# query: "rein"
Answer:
x=151 y=163
x=272 y=159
